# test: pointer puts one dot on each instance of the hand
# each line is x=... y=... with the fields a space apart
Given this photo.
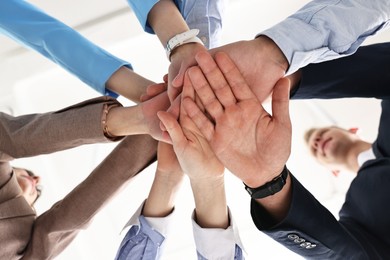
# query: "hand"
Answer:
x=194 y=153
x=182 y=58
x=149 y=111
x=155 y=89
x=260 y=62
x=251 y=143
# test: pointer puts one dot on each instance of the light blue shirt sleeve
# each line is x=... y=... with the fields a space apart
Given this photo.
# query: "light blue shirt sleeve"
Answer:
x=141 y=242
x=328 y=29
x=35 y=29
x=205 y=15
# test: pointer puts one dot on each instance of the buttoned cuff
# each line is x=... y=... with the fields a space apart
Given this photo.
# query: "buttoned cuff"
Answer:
x=216 y=243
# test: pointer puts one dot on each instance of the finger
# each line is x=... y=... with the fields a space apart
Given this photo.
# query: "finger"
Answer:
x=280 y=101
x=235 y=79
x=215 y=78
x=155 y=89
x=188 y=91
x=173 y=92
x=205 y=92
x=174 y=110
x=165 y=78
x=205 y=126
x=173 y=128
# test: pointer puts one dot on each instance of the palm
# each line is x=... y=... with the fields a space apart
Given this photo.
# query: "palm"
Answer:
x=195 y=151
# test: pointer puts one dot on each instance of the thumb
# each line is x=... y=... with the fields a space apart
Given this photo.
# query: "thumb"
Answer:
x=280 y=101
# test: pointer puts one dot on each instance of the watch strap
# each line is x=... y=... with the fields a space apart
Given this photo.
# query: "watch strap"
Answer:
x=181 y=39
x=270 y=188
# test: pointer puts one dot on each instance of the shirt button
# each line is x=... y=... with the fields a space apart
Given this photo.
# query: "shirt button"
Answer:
x=292 y=236
x=311 y=246
x=299 y=240
x=203 y=39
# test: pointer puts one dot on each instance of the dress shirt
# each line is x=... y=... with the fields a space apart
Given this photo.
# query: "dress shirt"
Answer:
x=58 y=42
x=146 y=236
x=326 y=30
x=204 y=15
x=365 y=156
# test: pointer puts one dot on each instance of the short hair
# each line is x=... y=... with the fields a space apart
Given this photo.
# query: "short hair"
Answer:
x=38 y=187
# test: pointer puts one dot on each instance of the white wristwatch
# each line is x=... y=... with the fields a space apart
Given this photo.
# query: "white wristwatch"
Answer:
x=180 y=39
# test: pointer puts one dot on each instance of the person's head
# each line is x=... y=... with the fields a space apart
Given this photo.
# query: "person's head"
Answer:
x=331 y=146
x=29 y=183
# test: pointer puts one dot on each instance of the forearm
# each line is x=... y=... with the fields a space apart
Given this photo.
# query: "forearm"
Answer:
x=128 y=83
x=210 y=202
x=162 y=195
x=277 y=205
x=166 y=20
x=319 y=32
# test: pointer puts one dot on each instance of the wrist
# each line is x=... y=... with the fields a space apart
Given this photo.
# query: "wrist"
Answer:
x=209 y=183
x=269 y=188
x=273 y=50
x=123 y=121
x=181 y=39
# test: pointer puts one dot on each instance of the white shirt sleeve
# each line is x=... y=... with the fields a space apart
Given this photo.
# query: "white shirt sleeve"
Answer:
x=328 y=29
x=216 y=243
x=161 y=225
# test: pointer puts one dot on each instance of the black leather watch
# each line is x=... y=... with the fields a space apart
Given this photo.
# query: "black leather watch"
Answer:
x=270 y=188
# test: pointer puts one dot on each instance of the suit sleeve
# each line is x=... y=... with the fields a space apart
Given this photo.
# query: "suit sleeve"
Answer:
x=35 y=134
x=310 y=230
x=363 y=74
x=57 y=227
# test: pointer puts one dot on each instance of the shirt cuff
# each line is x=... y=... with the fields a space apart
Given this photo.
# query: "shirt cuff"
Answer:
x=216 y=243
x=161 y=225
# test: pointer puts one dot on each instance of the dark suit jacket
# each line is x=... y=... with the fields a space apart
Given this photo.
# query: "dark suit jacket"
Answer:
x=22 y=234
x=362 y=231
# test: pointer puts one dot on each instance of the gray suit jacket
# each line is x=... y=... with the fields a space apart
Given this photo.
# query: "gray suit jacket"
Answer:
x=22 y=234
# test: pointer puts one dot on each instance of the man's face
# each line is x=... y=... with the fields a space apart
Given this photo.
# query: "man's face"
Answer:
x=29 y=185
x=330 y=145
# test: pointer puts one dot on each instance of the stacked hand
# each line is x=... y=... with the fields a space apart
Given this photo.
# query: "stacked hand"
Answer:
x=250 y=142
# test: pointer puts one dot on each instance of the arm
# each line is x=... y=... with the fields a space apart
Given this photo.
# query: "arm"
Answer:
x=363 y=74
x=35 y=134
x=291 y=216
x=207 y=16
x=311 y=231
x=316 y=33
x=323 y=31
x=166 y=20
x=56 y=228
x=58 y=42
x=206 y=175
x=151 y=223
